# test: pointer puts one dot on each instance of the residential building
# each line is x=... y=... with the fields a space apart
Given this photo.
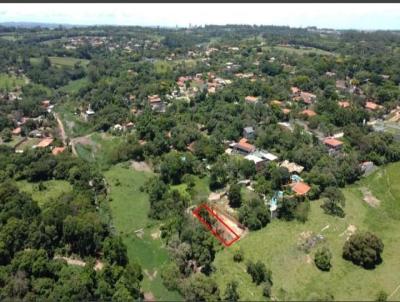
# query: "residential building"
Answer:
x=248 y=133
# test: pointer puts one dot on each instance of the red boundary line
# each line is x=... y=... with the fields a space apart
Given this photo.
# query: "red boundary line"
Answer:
x=209 y=227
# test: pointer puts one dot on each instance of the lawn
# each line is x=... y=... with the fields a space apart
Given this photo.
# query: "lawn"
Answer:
x=201 y=189
x=53 y=189
x=10 y=81
x=129 y=207
x=295 y=277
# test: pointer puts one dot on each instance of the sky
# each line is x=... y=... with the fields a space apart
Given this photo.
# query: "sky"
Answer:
x=362 y=16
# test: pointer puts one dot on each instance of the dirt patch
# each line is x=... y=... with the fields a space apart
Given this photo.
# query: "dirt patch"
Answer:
x=71 y=261
x=369 y=198
x=156 y=235
x=307 y=240
x=140 y=166
x=351 y=229
x=308 y=259
x=148 y=296
x=139 y=233
x=152 y=275
x=98 y=266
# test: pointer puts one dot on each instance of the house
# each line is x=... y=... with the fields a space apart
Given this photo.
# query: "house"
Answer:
x=286 y=126
x=332 y=143
x=307 y=97
x=286 y=111
x=292 y=167
x=344 y=104
x=372 y=106
x=89 y=113
x=330 y=74
x=35 y=133
x=243 y=147
x=191 y=147
x=45 y=142
x=248 y=133
x=57 y=150
x=309 y=113
x=16 y=131
x=265 y=155
x=258 y=161
x=156 y=103
x=300 y=188
x=251 y=99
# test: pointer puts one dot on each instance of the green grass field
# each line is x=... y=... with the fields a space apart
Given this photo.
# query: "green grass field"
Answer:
x=62 y=61
x=53 y=190
x=74 y=86
x=129 y=208
x=10 y=82
x=294 y=274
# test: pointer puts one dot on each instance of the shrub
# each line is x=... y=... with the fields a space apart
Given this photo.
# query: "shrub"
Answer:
x=323 y=258
x=363 y=249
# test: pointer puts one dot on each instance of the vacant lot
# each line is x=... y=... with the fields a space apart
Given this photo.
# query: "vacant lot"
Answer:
x=51 y=190
x=129 y=208
x=295 y=277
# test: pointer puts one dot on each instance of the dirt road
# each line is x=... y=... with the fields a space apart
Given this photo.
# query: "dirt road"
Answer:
x=63 y=134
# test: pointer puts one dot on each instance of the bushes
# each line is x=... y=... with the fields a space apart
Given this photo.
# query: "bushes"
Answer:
x=363 y=249
x=258 y=272
x=254 y=215
x=323 y=258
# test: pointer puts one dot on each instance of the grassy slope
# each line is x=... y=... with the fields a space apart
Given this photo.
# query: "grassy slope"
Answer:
x=10 y=82
x=53 y=190
x=62 y=61
x=74 y=86
x=129 y=208
x=295 y=279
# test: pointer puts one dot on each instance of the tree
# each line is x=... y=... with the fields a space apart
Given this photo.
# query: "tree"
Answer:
x=231 y=293
x=279 y=177
x=334 y=200
x=381 y=296
x=114 y=251
x=267 y=290
x=323 y=258
x=6 y=135
x=254 y=214
x=258 y=272
x=200 y=288
x=364 y=249
x=238 y=255
x=234 y=196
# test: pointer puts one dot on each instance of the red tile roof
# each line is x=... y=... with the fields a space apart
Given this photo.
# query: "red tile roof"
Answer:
x=58 y=150
x=309 y=112
x=372 y=106
x=332 y=142
x=45 y=142
x=244 y=145
x=300 y=188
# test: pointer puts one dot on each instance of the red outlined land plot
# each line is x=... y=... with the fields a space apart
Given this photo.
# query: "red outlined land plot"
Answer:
x=222 y=227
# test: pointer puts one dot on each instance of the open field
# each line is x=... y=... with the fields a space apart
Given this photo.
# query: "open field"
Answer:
x=10 y=82
x=294 y=274
x=53 y=189
x=200 y=192
x=129 y=208
x=73 y=123
x=300 y=51
x=62 y=61
x=74 y=86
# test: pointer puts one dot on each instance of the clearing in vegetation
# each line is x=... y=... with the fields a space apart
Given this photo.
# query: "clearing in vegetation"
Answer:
x=129 y=209
x=46 y=191
x=295 y=279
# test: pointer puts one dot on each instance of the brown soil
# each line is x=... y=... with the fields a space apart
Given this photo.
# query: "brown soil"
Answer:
x=140 y=166
x=149 y=297
x=369 y=198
